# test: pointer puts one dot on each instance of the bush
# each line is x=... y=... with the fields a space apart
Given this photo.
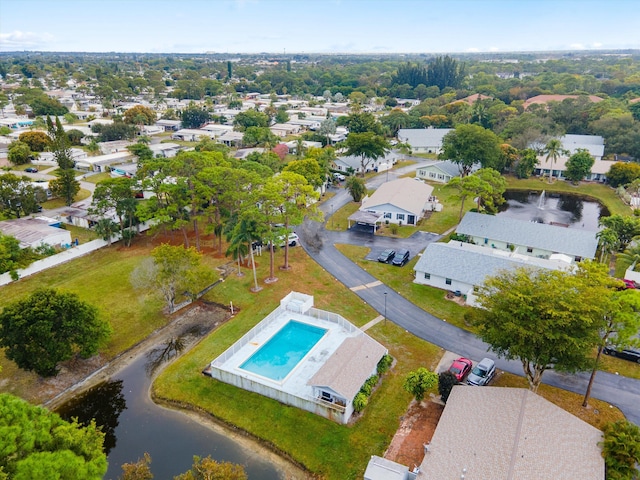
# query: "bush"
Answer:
x=394 y=228
x=446 y=382
x=384 y=364
x=360 y=401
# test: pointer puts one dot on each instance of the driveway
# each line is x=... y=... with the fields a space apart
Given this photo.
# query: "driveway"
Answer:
x=319 y=243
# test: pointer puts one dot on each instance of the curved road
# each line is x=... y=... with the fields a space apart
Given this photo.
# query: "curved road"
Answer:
x=319 y=243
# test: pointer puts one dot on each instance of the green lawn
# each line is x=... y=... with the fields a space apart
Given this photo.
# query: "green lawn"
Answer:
x=97 y=178
x=400 y=279
x=333 y=451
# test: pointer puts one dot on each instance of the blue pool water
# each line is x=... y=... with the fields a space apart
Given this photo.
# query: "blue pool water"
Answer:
x=276 y=358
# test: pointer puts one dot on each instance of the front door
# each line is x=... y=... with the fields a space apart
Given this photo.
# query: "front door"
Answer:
x=411 y=219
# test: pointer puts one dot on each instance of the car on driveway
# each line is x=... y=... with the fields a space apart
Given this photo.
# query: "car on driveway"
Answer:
x=387 y=255
x=400 y=258
x=338 y=176
x=31 y=170
x=631 y=354
x=482 y=373
x=461 y=367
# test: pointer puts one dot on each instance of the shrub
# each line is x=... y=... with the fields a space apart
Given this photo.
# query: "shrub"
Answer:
x=394 y=228
x=446 y=382
x=360 y=401
x=384 y=364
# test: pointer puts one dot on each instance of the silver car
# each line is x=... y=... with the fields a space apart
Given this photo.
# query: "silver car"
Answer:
x=482 y=373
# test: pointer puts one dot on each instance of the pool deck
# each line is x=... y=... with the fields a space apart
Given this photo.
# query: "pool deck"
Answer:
x=295 y=383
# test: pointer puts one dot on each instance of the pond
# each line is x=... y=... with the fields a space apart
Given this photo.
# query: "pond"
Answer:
x=134 y=425
x=571 y=211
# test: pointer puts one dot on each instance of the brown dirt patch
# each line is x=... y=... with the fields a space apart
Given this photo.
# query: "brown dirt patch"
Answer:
x=416 y=428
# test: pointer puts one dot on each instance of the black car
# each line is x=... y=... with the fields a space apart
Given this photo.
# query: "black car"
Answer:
x=386 y=256
x=31 y=170
x=626 y=353
x=400 y=258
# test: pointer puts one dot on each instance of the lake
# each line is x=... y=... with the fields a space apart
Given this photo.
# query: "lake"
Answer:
x=572 y=211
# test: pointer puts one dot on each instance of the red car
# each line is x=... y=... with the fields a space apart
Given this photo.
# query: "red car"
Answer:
x=461 y=367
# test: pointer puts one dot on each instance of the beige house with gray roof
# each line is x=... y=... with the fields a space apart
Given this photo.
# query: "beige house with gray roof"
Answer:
x=403 y=201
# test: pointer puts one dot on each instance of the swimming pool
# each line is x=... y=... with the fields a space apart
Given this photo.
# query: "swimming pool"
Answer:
x=276 y=358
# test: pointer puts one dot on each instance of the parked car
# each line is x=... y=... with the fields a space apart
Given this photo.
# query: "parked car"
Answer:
x=31 y=170
x=631 y=354
x=338 y=176
x=400 y=258
x=386 y=256
x=292 y=240
x=461 y=367
x=482 y=373
x=629 y=284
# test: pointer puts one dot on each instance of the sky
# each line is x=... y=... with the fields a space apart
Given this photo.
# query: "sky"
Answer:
x=318 y=26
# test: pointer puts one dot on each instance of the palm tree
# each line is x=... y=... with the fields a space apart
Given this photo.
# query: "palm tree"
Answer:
x=244 y=233
x=553 y=150
x=608 y=240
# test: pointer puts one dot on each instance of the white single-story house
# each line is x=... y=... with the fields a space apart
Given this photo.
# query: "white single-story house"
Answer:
x=166 y=150
x=217 y=129
x=231 y=138
x=192 y=134
x=47 y=158
x=440 y=172
x=169 y=125
x=99 y=162
x=594 y=144
x=423 y=140
x=403 y=201
x=35 y=232
x=352 y=163
x=528 y=238
x=462 y=267
x=284 y=129
x=304 y=357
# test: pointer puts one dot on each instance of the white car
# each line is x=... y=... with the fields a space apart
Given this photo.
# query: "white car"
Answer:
x=339 y=176
x=292 y=240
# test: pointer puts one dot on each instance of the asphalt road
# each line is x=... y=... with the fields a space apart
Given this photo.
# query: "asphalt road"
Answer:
x=319 y=243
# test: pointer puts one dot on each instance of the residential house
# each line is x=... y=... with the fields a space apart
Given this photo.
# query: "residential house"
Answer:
x=284 y=129
x=594 y=144
x=354 y=164
x=528 y=238
x=36 y=232
x=231 y=139
x=403 y=201
x=463 y=267
x=423 y=140
x=165 y=150
x=192 y=134
x=440 y=172
x=100 y=162
x=169 y=125
x=510 y=433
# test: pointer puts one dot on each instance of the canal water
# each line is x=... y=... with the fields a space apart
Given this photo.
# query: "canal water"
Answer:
x=134 y=425
x=571 y=211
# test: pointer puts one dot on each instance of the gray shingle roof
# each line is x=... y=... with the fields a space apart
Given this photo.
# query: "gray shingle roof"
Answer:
x=349 y=366
x=471 y=264
x=570 y=241
x=407 y=194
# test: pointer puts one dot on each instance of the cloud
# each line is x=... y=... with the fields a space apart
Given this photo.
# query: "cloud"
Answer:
x=18 y=40
x=596 y=45
x=473 y=50
x=577 y=46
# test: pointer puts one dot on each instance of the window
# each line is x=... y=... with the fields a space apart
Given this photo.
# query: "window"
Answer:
x=427 y=276
x=400 y=216
x=432 y=175
x=447 y=281
x=486 y=240
x=440 y=176
x=529 y=249
x=387 y=215
x=578 y=259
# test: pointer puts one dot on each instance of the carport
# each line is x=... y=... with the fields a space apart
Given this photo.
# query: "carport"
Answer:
x=365 y=221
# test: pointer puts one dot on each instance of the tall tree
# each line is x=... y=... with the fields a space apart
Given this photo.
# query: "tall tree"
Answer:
x=468 y=145
x=172 y=271
x=619 y=324
x=194 y=116
x=368 y=146
x=209 y=469
x=60 y=144
x=486 y=185
x=116 y=194
x=48 y=327
x=579 y=165
x=626 y=228
x=445 y=72
x=65 y=186
x=544 y=318
x=245 y=232
x=298 y=199
x=552 y=151
x=39 y=444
